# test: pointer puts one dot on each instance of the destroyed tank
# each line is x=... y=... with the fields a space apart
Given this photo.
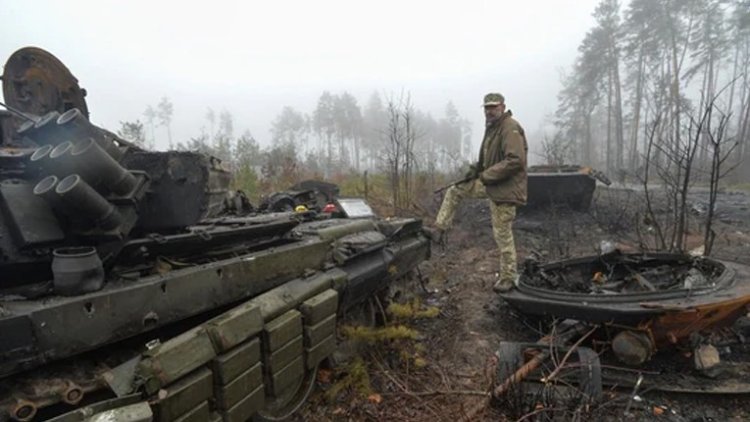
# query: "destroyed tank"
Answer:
x=135 y=287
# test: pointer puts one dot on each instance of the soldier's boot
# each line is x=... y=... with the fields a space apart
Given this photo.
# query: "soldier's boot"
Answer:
x=503 y=286
x=437 y=236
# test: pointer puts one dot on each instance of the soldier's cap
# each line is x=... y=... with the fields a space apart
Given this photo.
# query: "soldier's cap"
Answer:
x=493 y=99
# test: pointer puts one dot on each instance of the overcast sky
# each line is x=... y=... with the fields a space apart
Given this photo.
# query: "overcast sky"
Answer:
x=254 y=57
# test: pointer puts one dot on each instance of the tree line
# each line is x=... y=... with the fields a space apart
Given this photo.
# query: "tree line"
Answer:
x=643 y=80
x=388 y=136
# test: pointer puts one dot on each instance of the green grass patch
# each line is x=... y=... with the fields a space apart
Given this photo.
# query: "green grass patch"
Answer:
x=379 y=334
x=412 y=310
x=357 y=380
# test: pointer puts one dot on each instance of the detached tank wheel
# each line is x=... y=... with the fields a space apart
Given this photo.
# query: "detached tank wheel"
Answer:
x=509 y=359
x=589 y=374
x=283 y=407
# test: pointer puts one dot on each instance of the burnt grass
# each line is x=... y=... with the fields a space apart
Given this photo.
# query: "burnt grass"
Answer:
x=458 y=345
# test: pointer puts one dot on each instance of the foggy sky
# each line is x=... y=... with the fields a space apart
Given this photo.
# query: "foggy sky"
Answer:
x=252 y=58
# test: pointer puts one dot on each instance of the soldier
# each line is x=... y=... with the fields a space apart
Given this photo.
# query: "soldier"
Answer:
x=500 y=175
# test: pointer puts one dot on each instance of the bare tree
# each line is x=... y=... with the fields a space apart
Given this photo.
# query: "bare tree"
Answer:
x=223 y=138
x=290 y=127
x=678 y=172
x=674 y=177
x=133 y=131
x=401 y=135
x=150 y=115
x=374 y=120
x=394 y=149
x=324 y=124
x=720 y=149
x=409 y=158
x=651 y=219
x=165 y=110
x=556 y=150
x=211 y=117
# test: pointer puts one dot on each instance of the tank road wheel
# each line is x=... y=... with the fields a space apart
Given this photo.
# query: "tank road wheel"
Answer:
x=291 y=400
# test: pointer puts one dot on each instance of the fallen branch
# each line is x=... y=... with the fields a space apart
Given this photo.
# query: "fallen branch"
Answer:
x=401 y=386
x=624 y=369
x=392 y=379
x=472 y=414
x=565 y=358
x=441 y=392
x=538 y=358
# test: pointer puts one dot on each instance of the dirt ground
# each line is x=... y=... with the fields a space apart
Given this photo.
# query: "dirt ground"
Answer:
x=456 y=348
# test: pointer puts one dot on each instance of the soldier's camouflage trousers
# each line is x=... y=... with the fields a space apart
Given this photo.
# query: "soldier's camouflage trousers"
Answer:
x=502 y=221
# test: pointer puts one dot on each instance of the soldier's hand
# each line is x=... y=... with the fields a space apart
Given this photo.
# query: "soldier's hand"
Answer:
x=473 y=172
x=483 y=178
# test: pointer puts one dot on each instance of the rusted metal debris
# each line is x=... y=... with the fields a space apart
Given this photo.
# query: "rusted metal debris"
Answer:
x=55 y=385
x=538 y=353
x=666 y=296
x=641 y=305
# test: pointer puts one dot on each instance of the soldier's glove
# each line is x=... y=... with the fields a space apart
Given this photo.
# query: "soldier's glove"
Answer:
x=473 y=172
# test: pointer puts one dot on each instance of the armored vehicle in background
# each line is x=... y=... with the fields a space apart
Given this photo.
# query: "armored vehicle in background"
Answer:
x=132 y=289
x=569 y=185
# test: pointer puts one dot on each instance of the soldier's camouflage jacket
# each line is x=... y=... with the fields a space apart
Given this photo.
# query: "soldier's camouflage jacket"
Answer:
x=503 y=160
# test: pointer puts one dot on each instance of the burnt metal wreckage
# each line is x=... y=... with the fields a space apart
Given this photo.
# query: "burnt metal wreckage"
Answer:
x=570 y=185
x=134 y=286
x=648 y=320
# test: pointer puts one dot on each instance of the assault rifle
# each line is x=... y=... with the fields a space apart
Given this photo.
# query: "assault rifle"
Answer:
x=464 y=180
